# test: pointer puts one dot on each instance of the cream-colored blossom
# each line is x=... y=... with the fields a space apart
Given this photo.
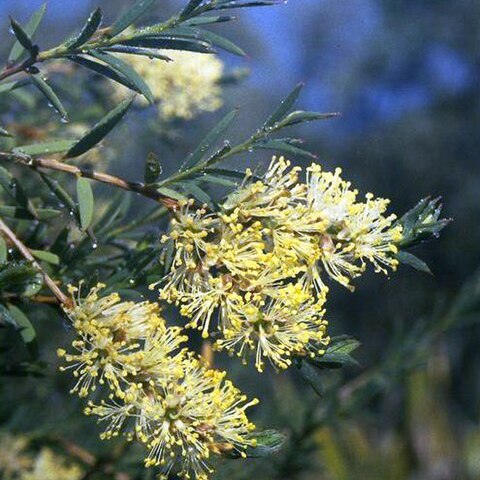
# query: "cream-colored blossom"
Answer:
x=160 y=395
x=49 y=466
x=231 y=268
x=184 y=87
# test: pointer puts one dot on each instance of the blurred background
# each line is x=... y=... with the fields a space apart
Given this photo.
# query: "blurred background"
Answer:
x=405 y=77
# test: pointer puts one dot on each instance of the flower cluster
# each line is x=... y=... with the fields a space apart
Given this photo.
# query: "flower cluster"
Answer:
x=16 y=463
x=184 y=87
x=159 y=393
x=262 y=261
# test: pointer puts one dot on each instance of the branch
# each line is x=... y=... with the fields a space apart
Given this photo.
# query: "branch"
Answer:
x=118 y=182
x=9 y=235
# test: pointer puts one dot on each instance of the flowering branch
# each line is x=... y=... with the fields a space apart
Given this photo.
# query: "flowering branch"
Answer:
x=9 y=235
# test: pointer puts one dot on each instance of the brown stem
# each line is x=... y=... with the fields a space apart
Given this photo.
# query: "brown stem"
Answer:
x=7 y=233
x=49 y=164
x=21 y=67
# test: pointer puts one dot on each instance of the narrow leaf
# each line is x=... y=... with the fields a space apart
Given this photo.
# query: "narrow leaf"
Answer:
x=137 y=82
x=169 y=43
x=101 y=69
x=255 y=3
x=50 y=95
x=211 y=38
x=225 y=182
x=30 y=29
x=3 y=251
x=266 y=443
x=190 y=7
x=9 y=86
x=311 y=375
x=212 y=137
x=27 y=332
x=85 y=202
x=205 y=20
x=137 y=51
x=90 y=27
x=47 y=148
x=284 y=106
x=169 y=192
x=302 y=117
x=130 y=16
x=284 y=147
x=46 y=256
x=24 y=214
x=100 y=130
x=61 y=194
x=413 y=261
x=200 y=195
x=23 y=37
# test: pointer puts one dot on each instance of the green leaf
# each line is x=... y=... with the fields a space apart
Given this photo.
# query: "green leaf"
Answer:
x=211 y=138
x=10 y=86
x=169 y=192
x=27 y=331
x=46 y=256
x=169 y=43
x=198 y=194
x=337 y=354
x=5 y=317
x=311 y=375
x=23 y=37
x=284 y=107
x=136 y=82
x=137 y=51
x=421 y=223
x=130 y=16
x=14 y=190
x=20 y=278
x=50 y=95
x=413 y=261
x=190 y=7
x=285 y=147
x=254 y=3
x=211 y=38
x=206 y=20
x=62 y=195
x=85 y=202
x=100 y=130
x=22 y=213
x=267 y=442
x=153 y=169
x=46 y=148
x=225 y=182
x=90 y=27
x=30 y=29
x=169 y=255
x=3 y=250
x=226 y=172
x=300 y=116
x=101 y=69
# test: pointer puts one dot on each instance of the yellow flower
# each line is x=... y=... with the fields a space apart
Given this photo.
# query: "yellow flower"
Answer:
x=184 y=87
x=181 y=421
x=159 y=394
x=49 y=466
x=115 y=341
x=277 y=328
x=232 y=267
